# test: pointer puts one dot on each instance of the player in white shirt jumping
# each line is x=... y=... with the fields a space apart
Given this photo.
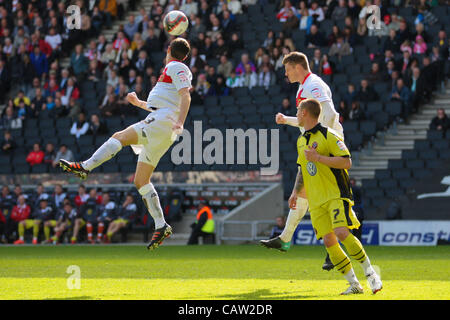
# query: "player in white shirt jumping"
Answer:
x=311 y=86
x=168 y=103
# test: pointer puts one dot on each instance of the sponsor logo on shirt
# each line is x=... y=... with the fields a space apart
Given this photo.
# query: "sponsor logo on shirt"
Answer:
x=341 y=145
x=316 y=93
x=311 y=168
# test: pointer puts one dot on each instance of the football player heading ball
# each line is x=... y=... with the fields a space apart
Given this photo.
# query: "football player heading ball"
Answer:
x=168 y=103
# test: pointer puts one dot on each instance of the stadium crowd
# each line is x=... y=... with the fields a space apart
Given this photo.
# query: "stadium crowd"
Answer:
x=60 y=213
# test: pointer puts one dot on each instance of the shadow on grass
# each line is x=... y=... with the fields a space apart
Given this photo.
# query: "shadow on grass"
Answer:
x=263 y=294
x=72 y=298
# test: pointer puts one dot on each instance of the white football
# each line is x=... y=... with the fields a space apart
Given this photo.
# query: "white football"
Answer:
x=175 y=22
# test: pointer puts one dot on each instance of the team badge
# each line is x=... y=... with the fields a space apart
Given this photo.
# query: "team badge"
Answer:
x=316 y=93
x=311 y=168
x=341 y=145
x=182 y=75
x=314 y=145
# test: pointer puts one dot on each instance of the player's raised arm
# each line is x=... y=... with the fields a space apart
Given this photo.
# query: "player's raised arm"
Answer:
x=135 y=101
x=282 y=119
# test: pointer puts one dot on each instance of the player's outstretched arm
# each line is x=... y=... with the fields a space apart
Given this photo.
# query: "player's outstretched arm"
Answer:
x=282 y=119
x=134 y=100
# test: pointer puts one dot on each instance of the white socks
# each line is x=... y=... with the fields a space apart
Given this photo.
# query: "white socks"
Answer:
x=151 y=201
x=106 y=151
x=367 y=266
x=294 y=218
x=351 y=277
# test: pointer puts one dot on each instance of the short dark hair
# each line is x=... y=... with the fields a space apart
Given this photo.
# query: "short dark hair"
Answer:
x=312 y=106
x=179 y=48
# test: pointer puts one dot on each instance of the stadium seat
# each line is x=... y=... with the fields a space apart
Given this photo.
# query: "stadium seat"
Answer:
x=434 y=134
x=368 y=128
x=428 y=154
x=444 y=154
x=388 y=183
x=422 y=174
x=440 y=144
x=381 y=119
x=433 y=163
x=381 y=174
x=401 y=174
x=21 y=168
x=421 y=145
x=396 y=164
x=394 y=108
x=406 y=183
x=415 y=164
x=369 y=183
x=39 y=168
x=257 y=91
x=240 y=92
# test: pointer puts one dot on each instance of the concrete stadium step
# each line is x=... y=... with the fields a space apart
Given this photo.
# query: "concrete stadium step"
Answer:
x=399 y=143
x=404 y=137
x=177 y=239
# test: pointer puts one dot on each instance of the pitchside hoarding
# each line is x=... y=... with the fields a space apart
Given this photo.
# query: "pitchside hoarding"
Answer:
x=387 y=233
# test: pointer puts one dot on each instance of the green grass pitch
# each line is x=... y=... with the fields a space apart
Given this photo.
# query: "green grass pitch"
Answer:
x=214 y=272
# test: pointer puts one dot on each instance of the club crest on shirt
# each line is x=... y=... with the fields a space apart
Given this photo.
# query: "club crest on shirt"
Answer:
x=311 y=168
x=341 y=145
x=181 y=74
x=315 y=92
x=314 y=145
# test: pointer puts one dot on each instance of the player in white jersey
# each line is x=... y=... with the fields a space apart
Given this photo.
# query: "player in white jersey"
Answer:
x=168 y=103
x=311 y=86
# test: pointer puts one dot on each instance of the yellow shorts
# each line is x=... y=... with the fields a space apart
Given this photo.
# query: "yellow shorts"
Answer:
x=333 y=214
x=125 y=221
x=29 y=223
x=52 y=223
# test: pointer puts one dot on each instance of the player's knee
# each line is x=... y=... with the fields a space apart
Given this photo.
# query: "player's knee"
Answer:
x=341 y=233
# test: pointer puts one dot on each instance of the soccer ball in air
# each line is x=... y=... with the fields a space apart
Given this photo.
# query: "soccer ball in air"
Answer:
x=175 y=22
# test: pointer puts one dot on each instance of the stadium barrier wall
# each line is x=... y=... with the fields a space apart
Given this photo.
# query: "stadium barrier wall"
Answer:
x=387 y=233
x=241 y=224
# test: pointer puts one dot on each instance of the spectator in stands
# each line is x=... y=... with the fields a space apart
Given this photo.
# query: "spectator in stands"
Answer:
x=340 y=48
x=342 y=111
x=79 y=62
x=282 y=16
x=361 y=29
x=109 y=9
x=79 y=127
x=286 y=108
x=63 y=153
x=96 y=126
x=59 y=110
x=204 y=226
x=249 y=78
x=350 y=95
x=126 y=213
x=37 y=104
x=355 y=113
x=314 y=63
x=58 y=196
x=49 y=154
x=366 y=93
x=340 y=12
x=406 y=46
x=280 y=223
x=375 y=75
x=326 y=66
x=403 y=31
x=391 y=42
x=107 y=212
x=400 y=92
x=20 y=212
x=131 y=27
x=332 y=37
x=74 y=109
x=420 y=47
x=266 y=78
x=8 y=143
x=291 y=22
x=233 y=81
x=441 y=122
x=4 y=79
x=416 y=84
x=314 y=38
x=21 y=97
x=240 y=69
x=316 y=12
x=82 y=196
x=36 y=156
x=225 y=67
x=39 y=61
x=10 y=120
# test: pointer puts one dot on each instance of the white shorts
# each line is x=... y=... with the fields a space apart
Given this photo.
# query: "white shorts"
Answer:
x=155 y=136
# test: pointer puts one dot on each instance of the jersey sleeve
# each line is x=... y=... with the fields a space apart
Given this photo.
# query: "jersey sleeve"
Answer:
x=336 y=145
x=181 y=76
x=318 y=91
